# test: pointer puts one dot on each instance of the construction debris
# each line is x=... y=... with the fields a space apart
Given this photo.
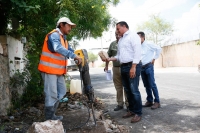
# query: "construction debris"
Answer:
x=49 y=126
x=32 y=118
x=80 y=98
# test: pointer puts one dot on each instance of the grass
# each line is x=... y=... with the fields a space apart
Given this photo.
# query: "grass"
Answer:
x=2 y=127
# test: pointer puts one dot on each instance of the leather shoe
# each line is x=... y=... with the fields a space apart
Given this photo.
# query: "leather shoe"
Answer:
x=155 y=105
x=147 y=104
x=127 y=109
x=136 y=118
x=128 y=114
x=117 y=108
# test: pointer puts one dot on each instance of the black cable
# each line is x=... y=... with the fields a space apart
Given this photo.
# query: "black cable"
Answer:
x=86 y=105
x=80 y=126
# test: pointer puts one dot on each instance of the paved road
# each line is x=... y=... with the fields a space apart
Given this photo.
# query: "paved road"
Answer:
x=179 y=90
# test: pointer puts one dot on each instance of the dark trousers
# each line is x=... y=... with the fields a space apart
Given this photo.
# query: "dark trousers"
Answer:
x=148 y=79
x=131 y=88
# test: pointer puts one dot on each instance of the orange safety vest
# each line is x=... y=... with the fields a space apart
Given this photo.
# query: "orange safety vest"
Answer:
x=52 y=63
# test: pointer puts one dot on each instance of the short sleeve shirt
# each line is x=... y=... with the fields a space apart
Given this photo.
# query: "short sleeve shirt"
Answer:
x=112 y=51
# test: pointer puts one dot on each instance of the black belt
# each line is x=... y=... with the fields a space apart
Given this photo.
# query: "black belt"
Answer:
x=126 y=64
x=129 y=63
x=146 y=65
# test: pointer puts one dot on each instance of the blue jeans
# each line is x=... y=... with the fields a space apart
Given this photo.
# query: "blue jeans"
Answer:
x=131 y=88
x=148 y=79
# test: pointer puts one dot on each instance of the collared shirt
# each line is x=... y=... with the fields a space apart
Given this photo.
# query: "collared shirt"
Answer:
x=150 y=51
x=129 y=48
x=112 y=51
x=54 y=45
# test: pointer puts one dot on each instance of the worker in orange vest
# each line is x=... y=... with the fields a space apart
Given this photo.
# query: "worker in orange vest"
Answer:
x=53 y=63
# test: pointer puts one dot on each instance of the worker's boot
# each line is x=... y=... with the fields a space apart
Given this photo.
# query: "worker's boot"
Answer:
x=55 y=108
x=49 y=111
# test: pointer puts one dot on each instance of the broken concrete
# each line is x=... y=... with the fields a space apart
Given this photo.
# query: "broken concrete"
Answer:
x=48 y=126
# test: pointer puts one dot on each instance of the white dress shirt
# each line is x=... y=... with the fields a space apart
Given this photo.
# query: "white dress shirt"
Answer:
x=150 y=51
x=129 y=48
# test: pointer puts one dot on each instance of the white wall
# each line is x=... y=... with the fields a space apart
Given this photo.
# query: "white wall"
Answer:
x=185 y=54
x=15 y=50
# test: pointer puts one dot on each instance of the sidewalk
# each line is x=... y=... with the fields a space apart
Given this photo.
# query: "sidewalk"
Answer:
x=177 y=70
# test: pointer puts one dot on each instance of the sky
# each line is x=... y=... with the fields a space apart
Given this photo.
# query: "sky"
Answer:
x=183 y=14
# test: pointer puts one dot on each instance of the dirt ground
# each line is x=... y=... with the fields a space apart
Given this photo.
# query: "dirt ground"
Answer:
x=77 y=113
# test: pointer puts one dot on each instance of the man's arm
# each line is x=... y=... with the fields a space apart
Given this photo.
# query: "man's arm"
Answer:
x=54 y=39
x=109 y=54
x=157 y=49
x=70 y=48
x=106 y=67
x=116 y=58
x=136 y=45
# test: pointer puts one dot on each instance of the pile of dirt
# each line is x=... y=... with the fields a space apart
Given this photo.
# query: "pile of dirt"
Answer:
x=20 y=120
x=77 y=97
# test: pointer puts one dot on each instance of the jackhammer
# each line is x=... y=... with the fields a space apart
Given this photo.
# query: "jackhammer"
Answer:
x=86 y=86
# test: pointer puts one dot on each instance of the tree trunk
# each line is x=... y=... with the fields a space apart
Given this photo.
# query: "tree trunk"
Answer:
x=5 y=8
x=15 y=24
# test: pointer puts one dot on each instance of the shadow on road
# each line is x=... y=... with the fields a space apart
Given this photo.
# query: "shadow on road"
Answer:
x=174 y=116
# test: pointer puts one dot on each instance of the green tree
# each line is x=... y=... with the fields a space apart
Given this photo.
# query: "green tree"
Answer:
x=92 y=57
x=156 y=29
x=35 y=18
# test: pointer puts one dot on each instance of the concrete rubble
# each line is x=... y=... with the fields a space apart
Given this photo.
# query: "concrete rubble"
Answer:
x=49 y=126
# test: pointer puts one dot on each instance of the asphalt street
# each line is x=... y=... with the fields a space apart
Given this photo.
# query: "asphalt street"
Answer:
x=179 y=90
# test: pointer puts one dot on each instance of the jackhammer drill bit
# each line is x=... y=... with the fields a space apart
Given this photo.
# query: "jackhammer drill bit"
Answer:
x=86 y=82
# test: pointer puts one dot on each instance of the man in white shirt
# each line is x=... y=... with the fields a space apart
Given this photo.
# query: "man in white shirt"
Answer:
x=129 y=55
x=150 y=52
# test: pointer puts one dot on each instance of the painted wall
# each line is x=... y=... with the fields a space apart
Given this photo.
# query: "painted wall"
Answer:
x=15 y=55
x=180 y=55
x=11 y=50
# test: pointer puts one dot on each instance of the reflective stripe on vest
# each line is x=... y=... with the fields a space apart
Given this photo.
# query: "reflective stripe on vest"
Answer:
x=53 y=56
x=52 y=63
